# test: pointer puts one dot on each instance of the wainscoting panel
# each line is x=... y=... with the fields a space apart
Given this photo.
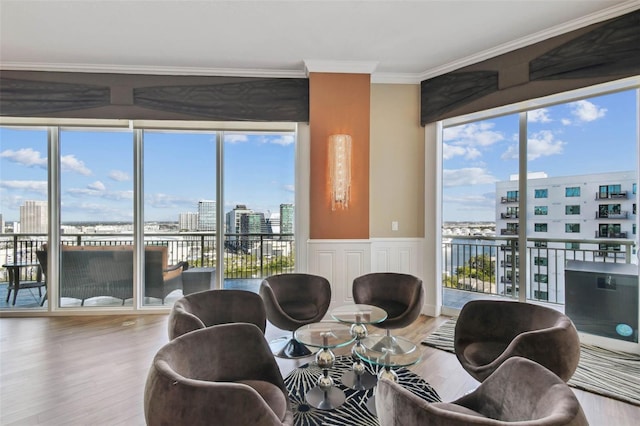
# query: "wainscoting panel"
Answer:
x=341 y=261
x=398 y=255
x=349 y=259
x=326 y=262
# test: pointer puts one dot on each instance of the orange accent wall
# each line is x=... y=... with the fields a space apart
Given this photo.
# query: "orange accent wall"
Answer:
x=339 y=103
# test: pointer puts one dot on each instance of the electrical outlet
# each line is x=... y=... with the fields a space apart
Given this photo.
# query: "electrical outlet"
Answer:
x=394 y=225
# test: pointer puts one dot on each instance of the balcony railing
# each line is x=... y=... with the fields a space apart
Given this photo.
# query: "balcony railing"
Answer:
x=508 y=215
x=612 y=215
x=245 y=255
x=508 y=231
x=479 y=265
x=611 y=195
x=611 y=234
x=505 y=200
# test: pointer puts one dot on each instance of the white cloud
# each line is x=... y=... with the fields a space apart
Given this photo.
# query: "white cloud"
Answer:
x=235 y=138
x=586 y=111
x=465 y=140
x=467 y=176
x=540 y=144
x=450 y=151
x=566 y=121
x=511 y=153
x=39 y=186
x=26 y=157
x=119 y=175
x=161 y=200
x=543 y=144
x=70 y=163
x=93 y=190
x=283 y=140
x=290 y=188
x=538 y=116
x=96 y=186
x=473 y=134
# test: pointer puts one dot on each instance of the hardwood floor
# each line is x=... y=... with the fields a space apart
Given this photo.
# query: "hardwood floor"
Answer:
x=89 y=370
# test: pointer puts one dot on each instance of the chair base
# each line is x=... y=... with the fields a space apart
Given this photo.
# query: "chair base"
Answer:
x=289 y=348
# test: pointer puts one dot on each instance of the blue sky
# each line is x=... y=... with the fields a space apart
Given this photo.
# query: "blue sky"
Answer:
x=593 y=135
x=179 y=170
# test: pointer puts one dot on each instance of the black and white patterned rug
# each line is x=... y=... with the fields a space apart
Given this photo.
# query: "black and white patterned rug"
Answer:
x=353 y=411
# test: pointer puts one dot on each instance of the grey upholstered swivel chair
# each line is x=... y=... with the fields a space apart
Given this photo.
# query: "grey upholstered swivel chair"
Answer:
x=223 y=375
x=519 y=391
x=488 y=332
x=294 y=300
x=400 y=295
x=213 y=307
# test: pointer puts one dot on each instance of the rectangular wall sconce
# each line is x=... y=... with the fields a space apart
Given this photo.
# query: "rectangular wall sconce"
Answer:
x=340 y=170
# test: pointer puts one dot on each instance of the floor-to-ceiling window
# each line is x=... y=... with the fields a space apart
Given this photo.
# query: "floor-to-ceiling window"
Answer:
x=96 y=210
x=135 y=190
x=476 y=156
x=576 y=205
x=259 y=176
x=23 y=212
x=179 y=206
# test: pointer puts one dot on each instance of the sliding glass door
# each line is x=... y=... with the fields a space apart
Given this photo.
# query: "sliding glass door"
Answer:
x=180 y=221
x=96 y=218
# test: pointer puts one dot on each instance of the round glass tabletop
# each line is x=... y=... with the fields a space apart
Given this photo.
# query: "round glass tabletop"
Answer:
x=324 y=334
x=359 y=314
x=388 y=351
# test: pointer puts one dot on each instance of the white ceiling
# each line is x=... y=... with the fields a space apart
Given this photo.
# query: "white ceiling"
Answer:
x=399 y=41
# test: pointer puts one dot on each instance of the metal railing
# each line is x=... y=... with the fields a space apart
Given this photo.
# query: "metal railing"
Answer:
x=480 y=264
x=245 y=255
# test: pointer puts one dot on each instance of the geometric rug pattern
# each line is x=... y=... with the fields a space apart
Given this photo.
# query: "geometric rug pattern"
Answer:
x=354 y=411
x=601 y=371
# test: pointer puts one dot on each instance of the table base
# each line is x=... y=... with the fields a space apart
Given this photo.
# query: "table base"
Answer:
x=359 y=382
x=329 y=400
x=288 y=348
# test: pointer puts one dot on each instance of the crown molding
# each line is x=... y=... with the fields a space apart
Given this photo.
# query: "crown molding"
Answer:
x=593 y=18
x=151 y=70
x=395 y=78
x=347 y=67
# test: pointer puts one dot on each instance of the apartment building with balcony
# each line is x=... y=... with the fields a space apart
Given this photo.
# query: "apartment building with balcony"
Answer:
x=589 y=213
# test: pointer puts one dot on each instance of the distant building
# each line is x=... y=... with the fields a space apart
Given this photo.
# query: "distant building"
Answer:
x=1 y=224
x=600 y=206
x=273 y=223
x=232 y=219
x=33 y=217
x=206 y=215
x=252 y=223
x=286 y=218
x=188 y=221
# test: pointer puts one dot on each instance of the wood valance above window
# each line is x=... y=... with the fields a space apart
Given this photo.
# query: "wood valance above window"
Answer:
x=599 y=53
x=130 y=96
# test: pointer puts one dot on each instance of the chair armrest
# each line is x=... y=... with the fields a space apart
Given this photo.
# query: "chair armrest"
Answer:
x=183 y=265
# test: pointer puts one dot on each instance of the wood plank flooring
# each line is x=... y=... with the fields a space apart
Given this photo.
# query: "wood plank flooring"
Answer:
x=91 y=370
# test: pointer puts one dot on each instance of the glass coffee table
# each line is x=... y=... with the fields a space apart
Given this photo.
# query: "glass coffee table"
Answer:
x=402 y=353
x=325 y=335
x=358 y=316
